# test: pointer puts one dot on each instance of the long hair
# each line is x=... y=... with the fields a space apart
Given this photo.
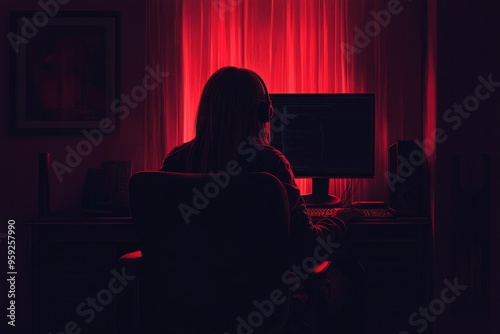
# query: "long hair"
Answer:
x=228 y=115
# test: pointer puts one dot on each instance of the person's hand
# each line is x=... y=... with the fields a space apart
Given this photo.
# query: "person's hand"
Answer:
x=348 y=214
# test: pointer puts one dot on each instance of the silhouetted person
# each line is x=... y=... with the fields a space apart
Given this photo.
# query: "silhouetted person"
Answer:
x=233 y=124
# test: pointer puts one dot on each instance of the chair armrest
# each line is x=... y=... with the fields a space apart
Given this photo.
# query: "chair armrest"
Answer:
x=322 y=267
x=132 y=258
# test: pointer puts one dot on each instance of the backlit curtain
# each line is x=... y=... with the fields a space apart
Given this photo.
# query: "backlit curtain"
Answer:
x=297 y=46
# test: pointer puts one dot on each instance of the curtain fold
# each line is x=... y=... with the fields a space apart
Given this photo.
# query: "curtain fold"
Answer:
x=163 y=119
x=296 y=46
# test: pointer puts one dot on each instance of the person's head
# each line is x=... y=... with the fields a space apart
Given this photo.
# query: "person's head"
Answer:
x=234 y=108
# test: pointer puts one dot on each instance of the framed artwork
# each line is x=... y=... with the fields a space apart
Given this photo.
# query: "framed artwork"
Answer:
x=63 y=71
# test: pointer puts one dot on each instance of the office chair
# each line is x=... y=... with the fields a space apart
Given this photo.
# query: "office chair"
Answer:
x=214 y=250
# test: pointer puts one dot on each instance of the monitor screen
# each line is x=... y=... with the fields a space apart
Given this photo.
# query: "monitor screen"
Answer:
x=325 y=135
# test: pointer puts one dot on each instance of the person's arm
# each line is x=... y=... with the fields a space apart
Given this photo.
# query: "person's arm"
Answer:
x=304 y=233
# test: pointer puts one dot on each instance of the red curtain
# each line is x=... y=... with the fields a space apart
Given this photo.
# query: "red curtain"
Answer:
x=299 y=46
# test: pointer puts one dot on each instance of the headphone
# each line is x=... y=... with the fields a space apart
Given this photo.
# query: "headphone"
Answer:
x=265 y=110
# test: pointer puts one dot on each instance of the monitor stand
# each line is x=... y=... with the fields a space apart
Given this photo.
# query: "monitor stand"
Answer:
x=320 y=196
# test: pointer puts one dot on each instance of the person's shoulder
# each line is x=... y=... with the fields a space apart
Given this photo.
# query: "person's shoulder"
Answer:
x=276 y=156
x=278 y=164
x=179 y=149
x=175 y=156
x=274 y=152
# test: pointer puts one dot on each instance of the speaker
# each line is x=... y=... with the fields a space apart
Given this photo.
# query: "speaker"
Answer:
x=406 y=178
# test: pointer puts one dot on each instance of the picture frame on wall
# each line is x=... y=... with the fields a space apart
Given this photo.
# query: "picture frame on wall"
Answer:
x=63 y=72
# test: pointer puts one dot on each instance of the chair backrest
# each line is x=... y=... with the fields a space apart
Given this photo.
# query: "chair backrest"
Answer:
x=214 y=250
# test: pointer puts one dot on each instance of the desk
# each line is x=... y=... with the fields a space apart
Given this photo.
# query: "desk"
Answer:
x=73 y=259
x=396 y=257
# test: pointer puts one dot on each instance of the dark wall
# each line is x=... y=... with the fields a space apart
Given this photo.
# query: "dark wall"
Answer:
x=467 y=227
x=19 y=162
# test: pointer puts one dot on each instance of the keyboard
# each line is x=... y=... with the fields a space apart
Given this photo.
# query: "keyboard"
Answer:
x=332 y=212
x=377 y=213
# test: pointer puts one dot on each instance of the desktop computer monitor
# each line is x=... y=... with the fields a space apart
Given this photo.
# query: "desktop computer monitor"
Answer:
x=325 y=136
